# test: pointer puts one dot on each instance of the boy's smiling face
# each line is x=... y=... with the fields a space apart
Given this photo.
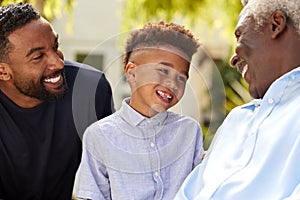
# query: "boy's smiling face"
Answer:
x=157 y=77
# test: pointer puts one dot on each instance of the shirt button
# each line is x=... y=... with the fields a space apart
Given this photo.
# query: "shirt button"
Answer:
x=156 y=174
x=270 y=101
x=152 y=144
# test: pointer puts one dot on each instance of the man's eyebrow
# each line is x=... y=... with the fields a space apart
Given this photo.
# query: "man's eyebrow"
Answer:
x=31 y=51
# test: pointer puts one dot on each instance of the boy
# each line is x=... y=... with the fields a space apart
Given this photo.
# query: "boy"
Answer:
x=144 y=151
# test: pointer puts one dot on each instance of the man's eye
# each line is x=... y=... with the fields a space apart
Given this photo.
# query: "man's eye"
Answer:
x=55 y=48
x=237 y=35
x=38 y=57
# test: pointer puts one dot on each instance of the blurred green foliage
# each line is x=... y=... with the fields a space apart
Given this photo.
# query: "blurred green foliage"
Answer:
x=236 y=88
x=48 y=8
x=190 y=12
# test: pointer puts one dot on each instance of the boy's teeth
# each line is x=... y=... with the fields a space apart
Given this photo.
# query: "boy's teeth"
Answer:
x=164 y=95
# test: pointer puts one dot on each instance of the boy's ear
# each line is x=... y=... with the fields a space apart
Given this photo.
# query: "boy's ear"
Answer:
x=5 y=73
x=279 y=22
x=130 y=71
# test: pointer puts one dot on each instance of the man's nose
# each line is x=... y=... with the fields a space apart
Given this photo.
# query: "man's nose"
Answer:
x=234 y=60
x=56 y=61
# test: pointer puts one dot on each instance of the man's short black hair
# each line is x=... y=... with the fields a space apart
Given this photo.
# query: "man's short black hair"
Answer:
x=12 y=17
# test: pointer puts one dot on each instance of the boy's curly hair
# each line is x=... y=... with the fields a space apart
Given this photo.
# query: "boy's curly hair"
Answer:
x=161 y=33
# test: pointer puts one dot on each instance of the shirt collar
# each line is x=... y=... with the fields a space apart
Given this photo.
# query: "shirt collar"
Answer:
x=134 y=118
x=276 y=89
x=252 y=104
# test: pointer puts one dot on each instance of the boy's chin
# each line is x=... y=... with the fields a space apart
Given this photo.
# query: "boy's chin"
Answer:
x=156 y=108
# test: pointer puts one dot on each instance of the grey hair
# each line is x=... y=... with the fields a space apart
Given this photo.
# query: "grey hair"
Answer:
x=261 y=10
x=244 y=2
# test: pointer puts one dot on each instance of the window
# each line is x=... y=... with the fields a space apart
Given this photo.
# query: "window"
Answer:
x=95 y=60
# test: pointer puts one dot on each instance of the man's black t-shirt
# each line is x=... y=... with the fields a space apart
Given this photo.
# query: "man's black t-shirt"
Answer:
x=40 y=147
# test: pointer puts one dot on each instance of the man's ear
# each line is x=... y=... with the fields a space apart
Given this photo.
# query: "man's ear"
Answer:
x=279 y=22
x=5 y=72
x=130 y=71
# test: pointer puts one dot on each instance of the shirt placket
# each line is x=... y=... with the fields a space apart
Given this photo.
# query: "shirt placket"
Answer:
x=155 y=160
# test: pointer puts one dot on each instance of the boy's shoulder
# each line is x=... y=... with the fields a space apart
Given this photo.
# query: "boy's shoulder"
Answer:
x=106 y=121
x=179 y=117
x=100 y=127
x=182 y=119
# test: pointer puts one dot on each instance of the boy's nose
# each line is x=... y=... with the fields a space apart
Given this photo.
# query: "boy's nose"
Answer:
x=171 y=83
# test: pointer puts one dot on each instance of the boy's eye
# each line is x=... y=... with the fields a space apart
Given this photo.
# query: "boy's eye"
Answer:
x=165 y=71
x=181 y=78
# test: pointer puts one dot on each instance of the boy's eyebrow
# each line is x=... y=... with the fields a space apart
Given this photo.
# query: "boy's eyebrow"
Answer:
x=166 y=63
x=31 y=51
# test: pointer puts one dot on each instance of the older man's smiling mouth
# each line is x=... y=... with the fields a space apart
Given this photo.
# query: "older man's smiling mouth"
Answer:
x=244 y=70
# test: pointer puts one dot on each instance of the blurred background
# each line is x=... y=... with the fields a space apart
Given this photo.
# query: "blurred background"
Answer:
x=94 y=32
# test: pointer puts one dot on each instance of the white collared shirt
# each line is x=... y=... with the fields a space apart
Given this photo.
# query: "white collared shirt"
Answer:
x=255 y=154
x=129 y=156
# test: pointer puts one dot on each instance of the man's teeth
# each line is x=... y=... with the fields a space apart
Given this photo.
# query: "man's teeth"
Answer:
x=52 y=80
x=164 y=95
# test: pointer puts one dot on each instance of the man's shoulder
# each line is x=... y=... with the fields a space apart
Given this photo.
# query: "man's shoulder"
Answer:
x=82 y=73
x=75 y=66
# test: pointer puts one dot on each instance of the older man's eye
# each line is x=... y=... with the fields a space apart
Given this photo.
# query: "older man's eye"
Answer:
x=237 y=34
x=38 y=57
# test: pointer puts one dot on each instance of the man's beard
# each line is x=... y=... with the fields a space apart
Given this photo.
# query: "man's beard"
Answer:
x=39 y=91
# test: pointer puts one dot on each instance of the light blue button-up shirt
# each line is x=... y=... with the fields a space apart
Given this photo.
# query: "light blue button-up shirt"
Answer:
x=256 y=152
x=128 y=156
